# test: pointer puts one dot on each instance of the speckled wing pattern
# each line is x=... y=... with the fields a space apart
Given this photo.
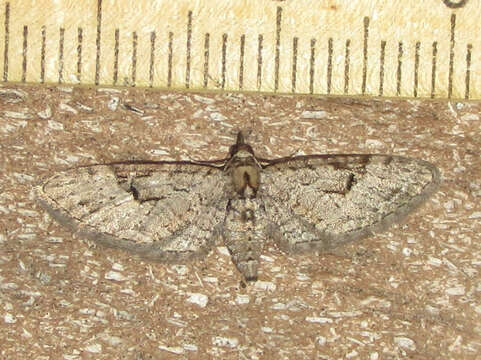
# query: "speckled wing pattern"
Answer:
x=168 y=211
x=173 y=211
x=319 y=202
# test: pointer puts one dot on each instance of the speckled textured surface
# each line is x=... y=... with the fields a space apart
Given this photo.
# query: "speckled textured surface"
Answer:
x=412 y=292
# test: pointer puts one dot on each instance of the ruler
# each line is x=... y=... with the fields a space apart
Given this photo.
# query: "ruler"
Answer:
x=426 y=49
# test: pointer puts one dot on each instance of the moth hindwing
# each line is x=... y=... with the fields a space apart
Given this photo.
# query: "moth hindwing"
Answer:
x=172 y=211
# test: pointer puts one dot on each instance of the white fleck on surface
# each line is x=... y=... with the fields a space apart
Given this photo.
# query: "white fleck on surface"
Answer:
x=279 y=306
x=223 y=250
x=9 y=318
x=374 y=143
x=118 y=267
x=115 y=275
x=67 y=108
x=217 y=116
x=113 y=103
x=266 y=258
x=352 y=354
x=225 y=341
x=55 y=125
x=198 y=299
x=94 y=348
x=17 y=115
x=265 y=286
x=111 y=340
x=475 y=215
x=405 y=343
x=318 y=320
x=321 y=340
x=46 y=113
x=26 y=212
x=376 y=301
x=172 y=349
x=204 y=100
x=343 y=314
x=470 y=117
x=242 y=299
x=180 y=269
x=456 y=290
x=159 y=152
x=314 y=114
x=191 y=347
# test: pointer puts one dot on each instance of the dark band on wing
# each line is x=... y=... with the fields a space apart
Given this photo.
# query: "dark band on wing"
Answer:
x=338 y=161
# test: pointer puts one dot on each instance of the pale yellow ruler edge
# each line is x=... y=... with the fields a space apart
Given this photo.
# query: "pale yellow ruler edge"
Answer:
x=340 y=47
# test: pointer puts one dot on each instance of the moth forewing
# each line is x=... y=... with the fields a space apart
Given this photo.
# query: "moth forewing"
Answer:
x=318 y=215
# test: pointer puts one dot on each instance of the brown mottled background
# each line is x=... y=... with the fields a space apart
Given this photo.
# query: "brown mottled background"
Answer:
x=412 y=292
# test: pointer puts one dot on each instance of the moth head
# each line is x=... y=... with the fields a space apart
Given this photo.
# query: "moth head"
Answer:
x=240 y=149
x=241 y=154
x=244 y=168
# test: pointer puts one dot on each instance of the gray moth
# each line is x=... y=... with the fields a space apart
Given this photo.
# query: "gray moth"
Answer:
x=173 y=211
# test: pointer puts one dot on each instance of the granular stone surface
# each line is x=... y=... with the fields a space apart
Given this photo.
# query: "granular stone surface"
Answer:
x=410 y=292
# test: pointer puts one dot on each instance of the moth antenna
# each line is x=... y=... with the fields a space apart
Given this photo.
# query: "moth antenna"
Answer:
x=240 y=138
x=242 y=135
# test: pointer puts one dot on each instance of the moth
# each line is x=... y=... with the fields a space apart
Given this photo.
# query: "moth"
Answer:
x=172 y=211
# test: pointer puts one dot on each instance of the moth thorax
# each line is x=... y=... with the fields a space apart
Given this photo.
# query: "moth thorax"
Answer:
x=246 y=179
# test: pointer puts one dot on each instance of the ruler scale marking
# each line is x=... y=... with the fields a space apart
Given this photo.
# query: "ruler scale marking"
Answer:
x=134 y=57
x=451 y=56
x=346 y=66
x=344 y=69
x=364 y=55
x=79 y=54
x=399 y=69
x=259 y=61
x=24 y=53
x=433 y=71
x=97 y=42
x=381 y=67
x=329 y=65
x=42 y=54
x=312 y=66
x=294 y=64
x=116 y=56
x=169 y=59
x=6 y=38
x=61 y=38
x=241 y=61
x=152 y=59
x=188 y=49
x=224 y=60
x=206 y=59
x=469 y=47
x=416 y=68
x=278 y=48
